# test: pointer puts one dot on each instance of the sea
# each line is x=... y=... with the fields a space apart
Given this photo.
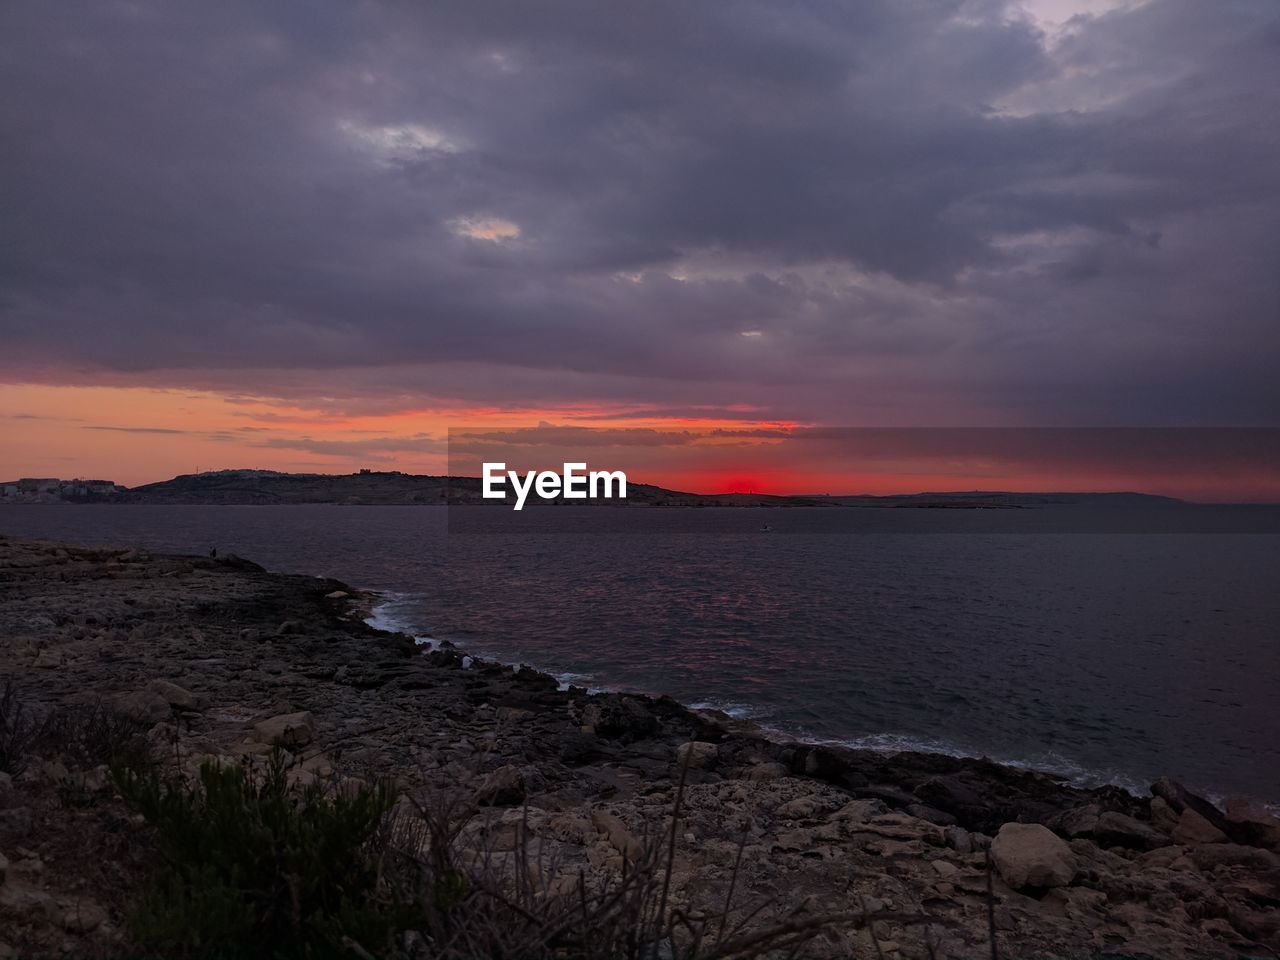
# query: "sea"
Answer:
x=1108 y=651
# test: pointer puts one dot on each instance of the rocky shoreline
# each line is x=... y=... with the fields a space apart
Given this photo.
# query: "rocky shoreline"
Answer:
x=928 y=854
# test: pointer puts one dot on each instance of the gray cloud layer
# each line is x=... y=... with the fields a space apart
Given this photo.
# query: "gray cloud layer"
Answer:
x=873 y=210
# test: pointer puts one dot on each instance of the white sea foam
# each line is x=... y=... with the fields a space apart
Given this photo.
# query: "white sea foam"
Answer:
x=1074 y=773
x=734 y=709
x=394 y=615
x=391 y=615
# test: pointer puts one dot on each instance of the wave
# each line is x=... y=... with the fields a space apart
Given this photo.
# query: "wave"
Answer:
x=390 y=616
x=1071 y=771
x=399 y=612
x=393 y=616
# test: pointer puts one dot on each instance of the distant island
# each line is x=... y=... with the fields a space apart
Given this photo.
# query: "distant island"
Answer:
x=374 y=487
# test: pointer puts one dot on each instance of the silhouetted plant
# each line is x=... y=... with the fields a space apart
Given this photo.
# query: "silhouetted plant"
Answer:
x=89 y=735
x=252 y=868
x=18 y=729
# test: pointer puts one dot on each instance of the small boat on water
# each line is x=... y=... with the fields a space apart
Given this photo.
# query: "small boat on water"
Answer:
x=765 y=528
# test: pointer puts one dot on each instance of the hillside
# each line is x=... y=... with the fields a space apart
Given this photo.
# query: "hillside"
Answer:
x=263 y=487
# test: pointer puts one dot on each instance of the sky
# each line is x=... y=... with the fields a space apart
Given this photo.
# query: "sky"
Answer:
x=319 y=236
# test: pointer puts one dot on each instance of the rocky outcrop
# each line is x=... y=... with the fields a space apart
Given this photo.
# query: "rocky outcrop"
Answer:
x=197 y=650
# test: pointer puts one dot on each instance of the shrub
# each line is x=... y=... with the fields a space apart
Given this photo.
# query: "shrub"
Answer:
x=18 y=729
x=252 y=868
x=88 y=735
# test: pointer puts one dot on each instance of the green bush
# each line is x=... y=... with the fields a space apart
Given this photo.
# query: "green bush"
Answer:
x=252 y=868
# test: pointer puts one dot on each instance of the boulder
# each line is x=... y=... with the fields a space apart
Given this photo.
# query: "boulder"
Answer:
x=1163 y=815
x=617 y=833
x=503 y=787
x=801 y=808
x=1119 y=830
x=286 y=730
x=15 y=822
x=860 y=811
x=1077 y=822
x=576 y=747
x=145 y=705
x=77 y=916
x=1193 y=828
x=1253 y=823
x=766 y=771
x=1210 y=856
x=175 y=696
x=922 y=811
x=1180 y=798
x=953 y=794
x=698 y=754
x=1031 y=855
x=621 y=718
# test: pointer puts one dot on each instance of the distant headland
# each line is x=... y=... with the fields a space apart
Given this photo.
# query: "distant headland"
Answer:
x=392 y=487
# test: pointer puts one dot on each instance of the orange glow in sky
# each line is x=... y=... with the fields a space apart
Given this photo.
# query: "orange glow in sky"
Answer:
x=136 y=435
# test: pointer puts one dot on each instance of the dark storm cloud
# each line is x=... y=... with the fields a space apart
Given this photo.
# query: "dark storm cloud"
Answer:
x=834 y=211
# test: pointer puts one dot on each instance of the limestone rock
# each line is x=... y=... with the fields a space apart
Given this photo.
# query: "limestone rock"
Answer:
x=1031 y=855
x=287 y=729
x=176 y=696
x=1077 y=822
x=502 y=788
x=1117 y=829
x=1163 y=816
x=800 y=808
x=77 y=916
x=617 y=833
x=767 y=771
x=145 y=705
x=1180 y=798
x=15 y=822
x=860 y=811
x=622 y=718
x=1193 y=828
x=699 y=754
x=1253 y=823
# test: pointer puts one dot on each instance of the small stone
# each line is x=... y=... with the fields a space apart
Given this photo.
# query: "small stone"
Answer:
x=337 y=595
x=767 y=771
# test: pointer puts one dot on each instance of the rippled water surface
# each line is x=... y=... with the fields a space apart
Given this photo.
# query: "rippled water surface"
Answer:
x=1105 y=656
